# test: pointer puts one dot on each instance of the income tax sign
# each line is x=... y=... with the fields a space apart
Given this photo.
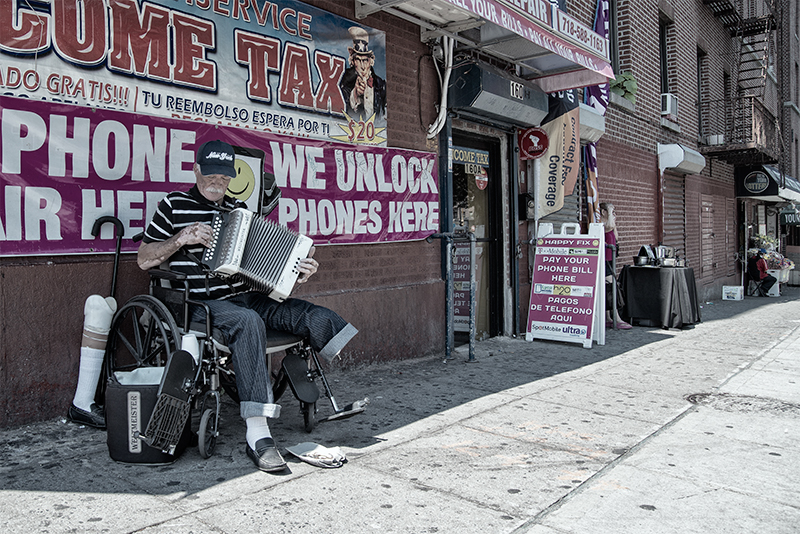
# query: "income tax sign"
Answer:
x=564 y=290
x=282 y=67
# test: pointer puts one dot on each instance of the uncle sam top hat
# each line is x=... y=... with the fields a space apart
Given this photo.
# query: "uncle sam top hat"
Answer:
x=216 y=157
x=360 y=42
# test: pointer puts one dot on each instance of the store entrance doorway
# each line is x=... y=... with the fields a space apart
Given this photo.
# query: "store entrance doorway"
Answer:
x=477 y=205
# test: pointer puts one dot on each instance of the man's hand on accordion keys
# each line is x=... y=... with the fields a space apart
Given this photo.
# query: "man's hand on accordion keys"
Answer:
x=307 y=267
x=153 y=254
x=196 y=233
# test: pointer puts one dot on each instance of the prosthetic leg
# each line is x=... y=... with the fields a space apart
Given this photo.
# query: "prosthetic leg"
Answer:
x=97 y=312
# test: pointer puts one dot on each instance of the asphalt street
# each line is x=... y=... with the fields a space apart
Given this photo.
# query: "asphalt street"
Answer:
x=657 y=431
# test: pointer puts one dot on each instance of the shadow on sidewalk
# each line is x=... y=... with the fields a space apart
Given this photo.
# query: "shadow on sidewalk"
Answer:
x=59 y=456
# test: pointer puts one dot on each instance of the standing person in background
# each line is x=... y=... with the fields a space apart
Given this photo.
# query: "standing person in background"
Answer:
x=609 y=220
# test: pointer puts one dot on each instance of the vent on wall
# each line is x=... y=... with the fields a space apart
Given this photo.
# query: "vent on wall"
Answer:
x=669 y=104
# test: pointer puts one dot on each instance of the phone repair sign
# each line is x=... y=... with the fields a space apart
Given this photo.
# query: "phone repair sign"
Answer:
x=564 y=295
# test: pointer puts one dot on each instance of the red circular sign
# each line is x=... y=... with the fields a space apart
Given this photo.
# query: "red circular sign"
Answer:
x=482 y=178
x=533 y=143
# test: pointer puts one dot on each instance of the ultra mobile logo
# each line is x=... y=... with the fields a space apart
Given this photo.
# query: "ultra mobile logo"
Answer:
x=574 y=330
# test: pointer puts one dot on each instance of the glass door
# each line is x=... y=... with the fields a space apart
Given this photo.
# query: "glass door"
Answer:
x=476 y=187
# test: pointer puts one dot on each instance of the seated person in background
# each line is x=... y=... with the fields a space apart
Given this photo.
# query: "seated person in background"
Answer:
x=757 y=270
x=609 y=220
x=183 y=220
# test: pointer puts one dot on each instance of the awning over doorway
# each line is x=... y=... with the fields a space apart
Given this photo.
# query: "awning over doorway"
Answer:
x=551 y=48
x=765 y=183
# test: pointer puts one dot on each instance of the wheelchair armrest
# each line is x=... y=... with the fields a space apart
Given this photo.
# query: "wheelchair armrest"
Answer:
x=166 y=274
x=208 y=327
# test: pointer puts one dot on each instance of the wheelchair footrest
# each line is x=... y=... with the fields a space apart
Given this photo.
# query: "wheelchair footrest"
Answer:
x=178 y=375
x=167 y=423
x=302 y=385
x=354 y=408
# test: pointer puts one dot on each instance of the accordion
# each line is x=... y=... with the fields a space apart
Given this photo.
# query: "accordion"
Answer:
x=259 y=253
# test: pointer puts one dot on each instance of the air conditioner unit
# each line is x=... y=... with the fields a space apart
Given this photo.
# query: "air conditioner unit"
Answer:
x=715 y=140
x=669 y=104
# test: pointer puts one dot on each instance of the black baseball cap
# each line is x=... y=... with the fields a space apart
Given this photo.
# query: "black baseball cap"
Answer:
x=216 y=157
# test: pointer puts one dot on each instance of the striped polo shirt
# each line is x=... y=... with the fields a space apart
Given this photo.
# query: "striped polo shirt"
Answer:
x=177 y=211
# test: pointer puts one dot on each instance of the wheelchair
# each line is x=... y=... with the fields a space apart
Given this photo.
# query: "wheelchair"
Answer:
x=147 y=331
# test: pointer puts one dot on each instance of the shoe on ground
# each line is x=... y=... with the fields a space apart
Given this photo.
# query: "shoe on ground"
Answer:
x=622 y=325
x=266 y=456
x=609 y=324
x=96 y=417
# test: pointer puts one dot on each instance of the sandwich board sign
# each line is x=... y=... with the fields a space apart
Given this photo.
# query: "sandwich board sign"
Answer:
x=568 y=271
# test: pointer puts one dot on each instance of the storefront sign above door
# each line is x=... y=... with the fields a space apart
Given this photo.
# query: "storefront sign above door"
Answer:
x=756 y=182
x=766 y=183
x=790 y=217
x=484 y=90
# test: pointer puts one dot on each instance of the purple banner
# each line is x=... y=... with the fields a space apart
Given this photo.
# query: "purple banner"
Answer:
x=65 y=166
x=597 y=97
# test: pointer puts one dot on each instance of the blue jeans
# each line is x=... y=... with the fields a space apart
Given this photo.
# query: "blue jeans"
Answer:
x=244 y=320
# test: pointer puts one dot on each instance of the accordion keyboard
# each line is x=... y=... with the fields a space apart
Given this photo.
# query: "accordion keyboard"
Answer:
x=262 y=254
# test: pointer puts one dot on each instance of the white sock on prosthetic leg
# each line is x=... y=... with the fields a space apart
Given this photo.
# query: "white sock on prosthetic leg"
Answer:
x=97 y=313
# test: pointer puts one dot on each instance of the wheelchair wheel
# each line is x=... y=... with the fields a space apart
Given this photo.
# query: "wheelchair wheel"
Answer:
x=309 y=415
x=143 y=333
x=207 y=433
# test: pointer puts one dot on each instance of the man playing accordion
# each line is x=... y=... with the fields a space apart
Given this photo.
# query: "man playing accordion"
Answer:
x=182 y=224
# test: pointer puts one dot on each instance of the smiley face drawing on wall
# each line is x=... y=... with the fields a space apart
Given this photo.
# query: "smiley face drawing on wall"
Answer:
x=243 y=185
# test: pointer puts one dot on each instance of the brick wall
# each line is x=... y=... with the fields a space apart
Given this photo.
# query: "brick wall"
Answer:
x=628 y=153
x=627 y=179
x=393 y=293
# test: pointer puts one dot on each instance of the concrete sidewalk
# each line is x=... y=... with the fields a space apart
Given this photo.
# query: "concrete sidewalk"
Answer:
x=537 y=437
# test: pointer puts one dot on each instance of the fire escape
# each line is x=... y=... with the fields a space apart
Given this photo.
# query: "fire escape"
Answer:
x=739 y=129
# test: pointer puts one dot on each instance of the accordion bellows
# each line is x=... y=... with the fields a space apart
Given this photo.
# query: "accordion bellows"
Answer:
x=261 y=254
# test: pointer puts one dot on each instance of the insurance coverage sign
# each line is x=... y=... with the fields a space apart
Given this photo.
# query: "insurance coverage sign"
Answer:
x=64 y=166
x=281 y=67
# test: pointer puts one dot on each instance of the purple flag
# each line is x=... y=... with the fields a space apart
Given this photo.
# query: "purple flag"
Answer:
x=595 y=96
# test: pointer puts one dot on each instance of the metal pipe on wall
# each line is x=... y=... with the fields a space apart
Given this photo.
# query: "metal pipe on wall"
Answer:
x=472 y=283
x=460 y=234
